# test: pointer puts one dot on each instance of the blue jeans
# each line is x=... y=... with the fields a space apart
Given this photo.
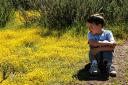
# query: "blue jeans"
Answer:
x=105 y=56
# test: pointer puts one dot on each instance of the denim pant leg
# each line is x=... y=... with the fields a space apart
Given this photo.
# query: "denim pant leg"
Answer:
x=97 y=57
x=91 y=57
x=107 y=56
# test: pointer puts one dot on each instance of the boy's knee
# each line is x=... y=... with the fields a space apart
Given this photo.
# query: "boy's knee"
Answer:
x=107 y=54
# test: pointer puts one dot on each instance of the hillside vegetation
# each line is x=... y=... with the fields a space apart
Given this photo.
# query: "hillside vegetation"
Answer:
x=44 y=42
x=30 y=58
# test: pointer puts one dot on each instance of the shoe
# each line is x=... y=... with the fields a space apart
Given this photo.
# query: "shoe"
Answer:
x=93 y=69
x=112 y=72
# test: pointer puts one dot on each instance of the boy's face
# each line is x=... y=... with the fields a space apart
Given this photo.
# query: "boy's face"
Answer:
x=95 y=29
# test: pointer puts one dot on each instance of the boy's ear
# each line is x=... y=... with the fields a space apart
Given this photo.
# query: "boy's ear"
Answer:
x=100 y=25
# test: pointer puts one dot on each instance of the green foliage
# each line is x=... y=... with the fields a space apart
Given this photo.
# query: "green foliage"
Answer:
x=64 y=14
x=5 y=11
x=25 y=4
x=119 y=30
x=61 y=13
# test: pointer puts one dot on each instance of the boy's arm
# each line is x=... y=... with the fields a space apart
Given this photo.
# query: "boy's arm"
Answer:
x=99 y=49
x=101 y=43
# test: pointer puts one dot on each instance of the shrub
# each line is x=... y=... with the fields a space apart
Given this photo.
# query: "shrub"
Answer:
x=61 y=13
x=5 y=11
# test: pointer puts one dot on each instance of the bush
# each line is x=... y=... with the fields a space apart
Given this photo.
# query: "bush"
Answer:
x=25 y=4
x=119 y=30
x=61 y=13
x=5 y=11
x=64 y=13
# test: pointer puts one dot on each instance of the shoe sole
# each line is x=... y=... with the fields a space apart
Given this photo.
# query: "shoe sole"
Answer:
x=94 y=74
x=112 y=75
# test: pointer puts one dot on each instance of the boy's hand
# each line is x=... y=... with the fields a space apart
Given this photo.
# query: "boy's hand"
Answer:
x=101 y=43
x=102 y=48
x=112 y=43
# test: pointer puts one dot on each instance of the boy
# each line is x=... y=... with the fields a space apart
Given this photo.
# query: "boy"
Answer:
x=101 y=44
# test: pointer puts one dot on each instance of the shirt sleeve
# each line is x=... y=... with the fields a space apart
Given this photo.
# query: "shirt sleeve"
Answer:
x=90 y=37
x=110 y=37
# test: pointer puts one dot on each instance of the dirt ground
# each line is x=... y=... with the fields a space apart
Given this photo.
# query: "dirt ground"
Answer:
x=120 y=62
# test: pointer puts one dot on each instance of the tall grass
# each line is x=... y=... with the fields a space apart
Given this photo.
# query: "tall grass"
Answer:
x=119 y=30
x=61 y=13
x=5 y=11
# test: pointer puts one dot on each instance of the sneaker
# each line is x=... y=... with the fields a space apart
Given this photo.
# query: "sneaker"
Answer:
x=112 y=72
x=93 y=69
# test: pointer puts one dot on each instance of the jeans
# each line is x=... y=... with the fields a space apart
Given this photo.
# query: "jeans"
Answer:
x=102 y=56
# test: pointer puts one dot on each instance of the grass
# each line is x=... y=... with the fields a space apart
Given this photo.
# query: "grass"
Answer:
x=28 y=58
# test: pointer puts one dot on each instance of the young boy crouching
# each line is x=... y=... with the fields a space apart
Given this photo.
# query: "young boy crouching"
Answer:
x=101 y=42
